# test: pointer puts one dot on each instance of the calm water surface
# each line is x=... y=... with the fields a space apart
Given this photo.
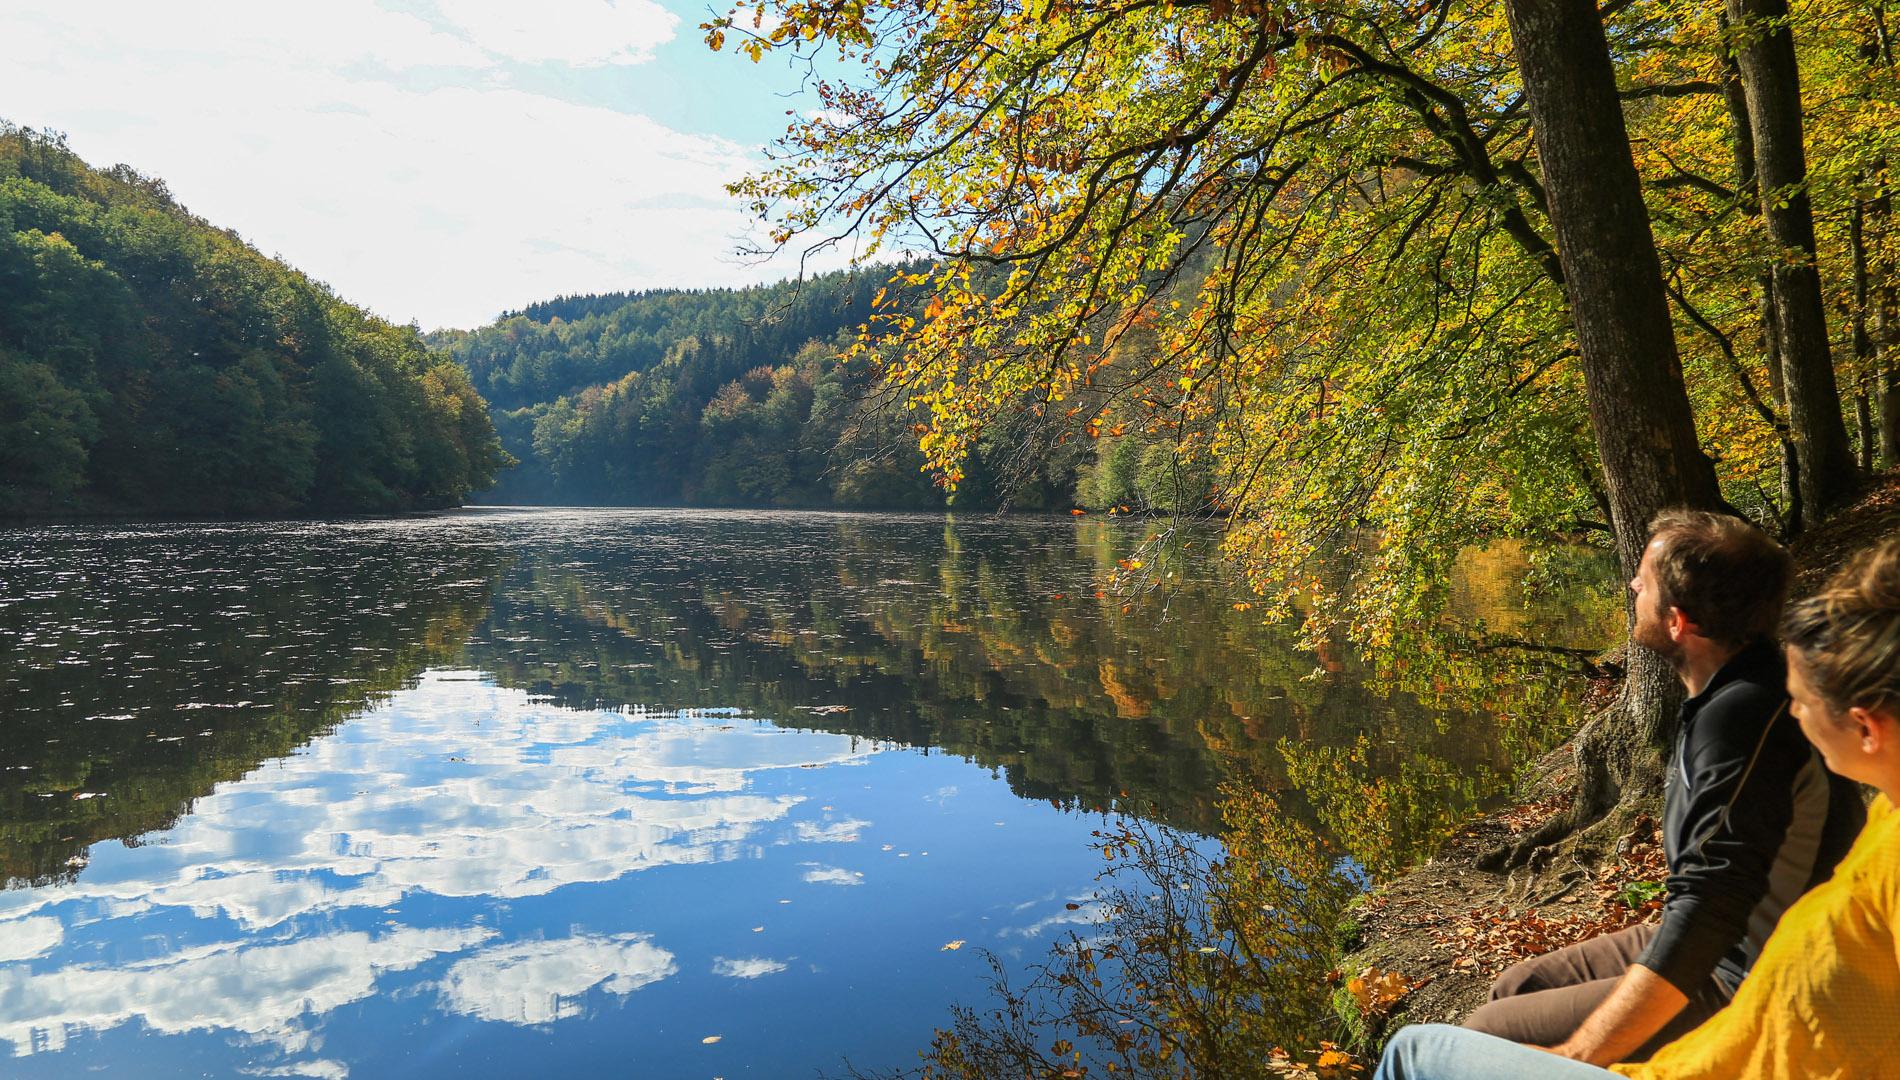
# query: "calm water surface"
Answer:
x=649 y=793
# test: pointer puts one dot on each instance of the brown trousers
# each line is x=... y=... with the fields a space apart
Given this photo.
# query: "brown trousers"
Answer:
x=1541 y=1001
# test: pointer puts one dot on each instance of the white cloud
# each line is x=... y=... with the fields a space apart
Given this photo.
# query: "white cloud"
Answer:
x=830 y=832
x=832 y=875
x=403 y=164
x=1087 y=911
x=453 y=788
x=538 y=982
x=704 y=758
x=24 y=939
x=582 y=32
x=216 y=32
x=319 y=1069
x=837 y=118
x=263 y=991
x=752 y=967
x=515 y=818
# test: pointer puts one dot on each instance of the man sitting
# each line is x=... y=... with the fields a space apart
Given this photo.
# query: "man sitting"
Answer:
x=1751 y=818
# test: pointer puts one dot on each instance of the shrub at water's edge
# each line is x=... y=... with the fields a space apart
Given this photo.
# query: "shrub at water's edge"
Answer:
x=152 y=363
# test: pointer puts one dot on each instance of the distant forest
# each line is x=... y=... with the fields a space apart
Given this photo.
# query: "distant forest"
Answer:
x=741 y=397
x=153 y=363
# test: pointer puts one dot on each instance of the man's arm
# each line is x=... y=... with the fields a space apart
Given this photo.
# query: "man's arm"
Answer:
x=1637 y=1009
x=1735 y=811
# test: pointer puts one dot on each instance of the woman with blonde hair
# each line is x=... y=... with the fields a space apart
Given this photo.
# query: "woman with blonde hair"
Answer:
x=1823 y=999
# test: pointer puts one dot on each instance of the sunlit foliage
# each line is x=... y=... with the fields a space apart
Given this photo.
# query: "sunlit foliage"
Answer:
x=717 y=397
x=1303 y=248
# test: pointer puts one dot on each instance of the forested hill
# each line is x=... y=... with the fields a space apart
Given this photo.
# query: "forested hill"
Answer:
x=714 y=397
x=563 y=346
x=153 y=363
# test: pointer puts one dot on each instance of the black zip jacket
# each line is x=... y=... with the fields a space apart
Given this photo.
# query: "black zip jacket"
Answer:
x=1743 y=842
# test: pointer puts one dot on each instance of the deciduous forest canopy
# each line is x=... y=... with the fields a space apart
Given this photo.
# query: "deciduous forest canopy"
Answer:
x=747 y=397
x=1314 y=240
x=151 y=362
x=1406 y=271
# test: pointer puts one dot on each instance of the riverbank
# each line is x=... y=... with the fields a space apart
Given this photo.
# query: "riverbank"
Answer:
x=1424 y=946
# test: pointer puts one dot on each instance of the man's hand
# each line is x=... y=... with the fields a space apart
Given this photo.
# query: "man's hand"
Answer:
x=1637 y=1009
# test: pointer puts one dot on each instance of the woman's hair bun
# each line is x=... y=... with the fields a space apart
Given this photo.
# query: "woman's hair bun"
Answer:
x=1848 y=634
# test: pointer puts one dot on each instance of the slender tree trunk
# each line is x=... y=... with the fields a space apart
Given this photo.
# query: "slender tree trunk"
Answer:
x=1890 y=411
x=1887 y=346
x=1778 y=386
x=1885 y=329
x=1865 y=361
x=1864 y=429
x=1879 y=49
x=1742 y=133
x=1639 y=409
x=1765 y=54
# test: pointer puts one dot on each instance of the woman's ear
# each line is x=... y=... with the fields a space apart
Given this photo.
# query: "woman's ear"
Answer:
x=1876 y=730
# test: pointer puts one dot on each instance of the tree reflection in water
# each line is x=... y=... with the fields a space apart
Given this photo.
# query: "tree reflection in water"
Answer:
x=141 y=669
x=150 y=665
x=1004 y=643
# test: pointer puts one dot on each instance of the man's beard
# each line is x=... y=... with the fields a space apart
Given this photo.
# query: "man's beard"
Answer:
x=1653 y=635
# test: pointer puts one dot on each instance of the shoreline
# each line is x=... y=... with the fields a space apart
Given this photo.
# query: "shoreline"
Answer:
x=1446 y=927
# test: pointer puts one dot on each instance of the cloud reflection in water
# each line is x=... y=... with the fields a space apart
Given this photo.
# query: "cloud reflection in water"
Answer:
x=454 y=789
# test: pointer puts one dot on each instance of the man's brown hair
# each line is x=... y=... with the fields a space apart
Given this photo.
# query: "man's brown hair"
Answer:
x=1726 y=575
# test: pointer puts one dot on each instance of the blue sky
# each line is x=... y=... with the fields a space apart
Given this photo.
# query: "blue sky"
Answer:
x=435 y=160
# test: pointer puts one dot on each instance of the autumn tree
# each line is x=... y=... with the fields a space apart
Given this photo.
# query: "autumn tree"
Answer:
x=1646 y=438
x=1393 y=277
x=1771 y=83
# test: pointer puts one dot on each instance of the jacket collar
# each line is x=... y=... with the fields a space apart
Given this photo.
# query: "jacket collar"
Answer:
x=1758 y=661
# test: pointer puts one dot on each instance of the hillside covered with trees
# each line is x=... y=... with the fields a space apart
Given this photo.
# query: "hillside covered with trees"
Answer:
x=748 y=397
x=153 y=363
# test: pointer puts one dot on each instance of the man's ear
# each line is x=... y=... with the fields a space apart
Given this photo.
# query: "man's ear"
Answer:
x=1679 y=624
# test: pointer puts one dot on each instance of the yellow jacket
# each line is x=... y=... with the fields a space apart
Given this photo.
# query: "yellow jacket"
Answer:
x=1823 y=999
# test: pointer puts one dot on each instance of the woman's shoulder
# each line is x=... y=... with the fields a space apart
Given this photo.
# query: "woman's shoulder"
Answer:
x=1872 y=868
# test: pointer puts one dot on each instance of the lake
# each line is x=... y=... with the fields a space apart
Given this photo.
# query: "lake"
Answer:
x=658 y=793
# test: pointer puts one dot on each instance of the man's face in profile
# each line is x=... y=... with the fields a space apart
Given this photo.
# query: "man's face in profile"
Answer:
x=1651 y=630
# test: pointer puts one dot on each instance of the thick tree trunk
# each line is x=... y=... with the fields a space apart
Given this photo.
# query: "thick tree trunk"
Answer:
x=1765 y=54
x=1639 y=409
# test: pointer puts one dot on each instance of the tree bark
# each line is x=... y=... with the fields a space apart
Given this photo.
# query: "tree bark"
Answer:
x=1743 y=137
x=1886 y=307
x=1865 y=360
x=1765 y=53
x=1864 y=434
x=1890 y=410
x=1645 y=432
x=1885 y=318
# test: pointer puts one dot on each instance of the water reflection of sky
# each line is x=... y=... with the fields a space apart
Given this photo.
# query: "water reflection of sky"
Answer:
x=509 y=793
x=465 y=878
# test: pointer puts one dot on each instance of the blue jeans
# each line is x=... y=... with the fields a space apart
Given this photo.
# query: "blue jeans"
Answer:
x=1443 y=1052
